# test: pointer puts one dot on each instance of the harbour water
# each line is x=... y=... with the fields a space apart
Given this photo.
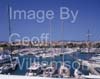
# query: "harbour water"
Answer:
x=68 y=59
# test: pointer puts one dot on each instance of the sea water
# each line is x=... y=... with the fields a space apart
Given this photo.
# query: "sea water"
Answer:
x=25 y=62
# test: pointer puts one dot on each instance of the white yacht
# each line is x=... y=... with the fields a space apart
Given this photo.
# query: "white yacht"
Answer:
x=48 y=72
x=96 y=59
x=77 y=74
x=8 y=67
x=34 y=70
x=4 y=56
x=64 y=71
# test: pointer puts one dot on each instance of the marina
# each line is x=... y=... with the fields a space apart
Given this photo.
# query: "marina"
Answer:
x=46 y=69
x=46 y=66
x=49 y=39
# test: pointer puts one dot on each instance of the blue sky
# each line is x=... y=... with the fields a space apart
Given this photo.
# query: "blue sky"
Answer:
x=88 y=18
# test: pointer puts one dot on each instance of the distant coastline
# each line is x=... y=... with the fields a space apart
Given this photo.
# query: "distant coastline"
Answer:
x=54 y=44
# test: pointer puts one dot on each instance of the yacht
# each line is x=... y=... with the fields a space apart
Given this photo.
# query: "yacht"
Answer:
x=95 y=59
x=77 y=74
x=47 y=55
x=50 y=71
x=93 y=67
x=8 y=67
x=64 y=71
x=34 y=70
x=4 y=56
x=23 y=53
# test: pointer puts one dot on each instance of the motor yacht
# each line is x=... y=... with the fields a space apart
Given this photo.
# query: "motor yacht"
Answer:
x=8 y=67
x=34 y=70
x=64 y=71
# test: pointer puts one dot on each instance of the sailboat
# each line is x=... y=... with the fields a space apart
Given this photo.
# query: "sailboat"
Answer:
x=93 y=63
x=63 y=71
x=49 y=70
x=8 y=62
x=89 y=49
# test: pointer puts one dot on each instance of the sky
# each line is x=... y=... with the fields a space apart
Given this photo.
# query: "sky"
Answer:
x=88 y=18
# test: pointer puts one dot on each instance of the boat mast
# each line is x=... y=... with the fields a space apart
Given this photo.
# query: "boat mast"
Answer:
x=9 y=25
x=62 y=34
x=50 y=42
x=9 y=28
x=88 y=40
